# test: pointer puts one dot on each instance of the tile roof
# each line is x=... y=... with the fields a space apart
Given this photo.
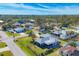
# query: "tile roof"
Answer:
x=68 y=49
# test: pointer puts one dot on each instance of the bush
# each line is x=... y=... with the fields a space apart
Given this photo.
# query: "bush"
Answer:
x=73 y=44
x=1 y=55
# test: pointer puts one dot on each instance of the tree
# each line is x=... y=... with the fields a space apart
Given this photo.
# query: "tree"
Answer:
x=73 y=44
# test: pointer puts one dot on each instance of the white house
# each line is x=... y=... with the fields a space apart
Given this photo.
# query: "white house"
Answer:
x=67 y=34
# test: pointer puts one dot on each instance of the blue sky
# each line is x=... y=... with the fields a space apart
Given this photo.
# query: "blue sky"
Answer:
x=39 y=8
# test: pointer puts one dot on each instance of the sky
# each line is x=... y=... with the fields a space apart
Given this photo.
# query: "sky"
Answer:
x=39 y=8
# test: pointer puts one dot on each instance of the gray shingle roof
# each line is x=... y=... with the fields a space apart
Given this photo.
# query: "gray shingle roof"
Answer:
x=46 y=39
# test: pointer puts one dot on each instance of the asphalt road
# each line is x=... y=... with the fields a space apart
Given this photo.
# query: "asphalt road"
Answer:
x=12 y=46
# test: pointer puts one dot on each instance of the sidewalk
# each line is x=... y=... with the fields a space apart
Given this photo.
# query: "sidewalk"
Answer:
x=4 y=49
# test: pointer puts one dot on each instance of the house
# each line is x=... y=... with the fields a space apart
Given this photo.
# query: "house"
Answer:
x=67 y=34
x=1 y=21
x=47 y=41
x=56 y=31
x=16 y=30
x=64 y=26
x=43 y=29
x=70 y=49
x=77 y=38
x=31 y=21
x=21 y=21
x=75 y=53
x=10 y=30
x=67 y=50
x=19 y=30
x=16 y=24
x=29 y=26
x=76 y=29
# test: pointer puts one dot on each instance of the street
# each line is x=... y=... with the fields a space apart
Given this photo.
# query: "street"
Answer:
x=11 y=44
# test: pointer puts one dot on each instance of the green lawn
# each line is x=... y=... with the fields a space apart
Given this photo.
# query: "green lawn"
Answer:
x=28 y=31
x=11 y=34
x=16 y=20
x=6 y=53
x=0 y=36
x=62 y=42
x=54 y=53
x=37 y=49
x=25 y=42
x=3 y=44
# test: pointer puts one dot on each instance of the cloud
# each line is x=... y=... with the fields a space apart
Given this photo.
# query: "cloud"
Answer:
x=38 y=9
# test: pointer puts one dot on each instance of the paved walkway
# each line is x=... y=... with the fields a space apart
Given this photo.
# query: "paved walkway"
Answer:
x=4 y=49
x=12 y=46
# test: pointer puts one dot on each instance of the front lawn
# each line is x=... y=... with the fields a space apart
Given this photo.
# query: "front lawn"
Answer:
x=22 y=43
x=29 y=48
x=6 y=53
x=12 y=34
x=3 y=44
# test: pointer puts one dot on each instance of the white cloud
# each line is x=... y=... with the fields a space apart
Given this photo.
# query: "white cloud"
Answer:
x=28 y=10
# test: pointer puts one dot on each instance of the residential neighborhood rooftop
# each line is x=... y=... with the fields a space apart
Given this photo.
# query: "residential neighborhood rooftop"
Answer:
x=46 y=39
